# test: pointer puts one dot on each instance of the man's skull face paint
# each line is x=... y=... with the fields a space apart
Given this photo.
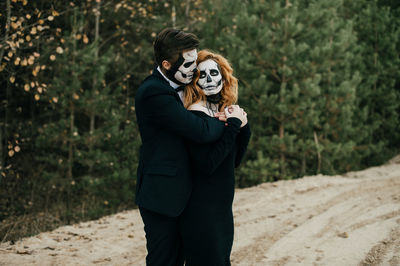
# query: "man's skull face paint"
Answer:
x=183 y=69
x=210 y=79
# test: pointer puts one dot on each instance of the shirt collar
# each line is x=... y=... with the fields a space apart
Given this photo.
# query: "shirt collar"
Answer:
x=171 y=83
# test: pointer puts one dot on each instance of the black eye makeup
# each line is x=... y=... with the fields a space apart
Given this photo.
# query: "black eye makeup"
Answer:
x=214 y=72
x=202 y=74
x=188 y=64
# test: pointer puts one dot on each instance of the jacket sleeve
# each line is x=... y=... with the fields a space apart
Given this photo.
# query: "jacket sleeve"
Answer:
x=207 y=158
x=167 y=112
x=242 y=142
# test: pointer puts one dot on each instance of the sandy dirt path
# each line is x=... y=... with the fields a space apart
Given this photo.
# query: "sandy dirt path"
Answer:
x=353 y=219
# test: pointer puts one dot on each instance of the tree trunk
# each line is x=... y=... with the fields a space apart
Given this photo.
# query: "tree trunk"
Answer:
x=283 y=158
x=92 y=125
x=3 y=125
x=71 y=129
x=318 y=152
x=187 y=8
x=282 y=99
x=173 y=16
x=7 y=29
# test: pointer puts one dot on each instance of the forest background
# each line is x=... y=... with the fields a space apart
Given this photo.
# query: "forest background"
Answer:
x=319 y=79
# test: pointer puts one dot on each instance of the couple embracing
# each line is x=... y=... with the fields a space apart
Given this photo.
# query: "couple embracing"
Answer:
x=193 y=136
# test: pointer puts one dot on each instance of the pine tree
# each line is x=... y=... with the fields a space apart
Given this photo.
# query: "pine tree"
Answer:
x=378 y=99
x=292 y=61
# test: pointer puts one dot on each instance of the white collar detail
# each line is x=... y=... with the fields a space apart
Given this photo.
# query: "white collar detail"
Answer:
x=171 y=83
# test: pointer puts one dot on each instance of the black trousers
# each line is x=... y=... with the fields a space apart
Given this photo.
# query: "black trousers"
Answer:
x=164 y=242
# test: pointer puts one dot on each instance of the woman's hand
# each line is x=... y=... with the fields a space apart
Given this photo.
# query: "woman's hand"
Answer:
x=237 y=112
x=244 y=121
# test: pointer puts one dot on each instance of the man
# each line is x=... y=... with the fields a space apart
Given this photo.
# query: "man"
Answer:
x=163 y=178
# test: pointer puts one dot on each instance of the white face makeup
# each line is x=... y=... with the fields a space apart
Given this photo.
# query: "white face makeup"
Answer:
x=185 y=72
x=210 y=77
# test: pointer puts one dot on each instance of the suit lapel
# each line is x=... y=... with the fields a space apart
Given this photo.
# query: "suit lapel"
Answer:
x=157 y=74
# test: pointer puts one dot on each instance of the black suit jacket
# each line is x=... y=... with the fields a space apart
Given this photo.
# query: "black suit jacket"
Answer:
x=164 y=180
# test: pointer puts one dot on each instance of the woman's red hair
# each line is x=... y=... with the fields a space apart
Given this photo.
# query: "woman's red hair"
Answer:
x=229 y=92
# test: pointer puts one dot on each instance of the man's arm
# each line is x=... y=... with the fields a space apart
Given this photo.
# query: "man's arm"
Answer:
x=165 y=111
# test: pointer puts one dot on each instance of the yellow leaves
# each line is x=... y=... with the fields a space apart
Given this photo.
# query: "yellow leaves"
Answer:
x=33 y=30
x=2 y=67
x=55 y=13
x=12 y=79
x=14 y=25
x=37 y=97
x=13 y=150
x=13 y=18
x=35 y=71
x=50 y=18
x=40 y=90
x=59 y=50
x=41 y=21
x=78 y=36
x=24 y=62
x=85 y=39
x=28 y=16
x=75 y=96
x=52 y=57
x=27 y=87
x=10 y=54
x=55 y=99
x=31 y=60
x=28 y=38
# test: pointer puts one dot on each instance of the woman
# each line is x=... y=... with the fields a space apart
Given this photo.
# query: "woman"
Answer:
x=207 y=221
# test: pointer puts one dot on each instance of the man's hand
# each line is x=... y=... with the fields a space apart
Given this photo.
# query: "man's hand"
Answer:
x=221 y=116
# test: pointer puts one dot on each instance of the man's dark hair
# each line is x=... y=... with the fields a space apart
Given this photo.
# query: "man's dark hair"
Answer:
x=171 y=42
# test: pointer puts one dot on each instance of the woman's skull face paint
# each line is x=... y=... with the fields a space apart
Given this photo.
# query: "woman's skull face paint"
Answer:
x=210 y=79
x=183 y=69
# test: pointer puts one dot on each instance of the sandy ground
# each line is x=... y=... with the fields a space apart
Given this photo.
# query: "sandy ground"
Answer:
x=353 y=219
